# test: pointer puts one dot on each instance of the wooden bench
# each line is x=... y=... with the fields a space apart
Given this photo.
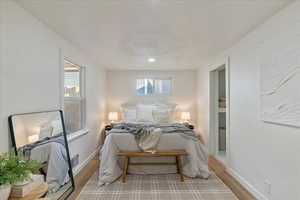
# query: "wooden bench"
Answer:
x=166 y=153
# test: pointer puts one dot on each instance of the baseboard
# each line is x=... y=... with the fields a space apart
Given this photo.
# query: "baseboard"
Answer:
x=231 y=181
x=79 y=167
x=258 y=195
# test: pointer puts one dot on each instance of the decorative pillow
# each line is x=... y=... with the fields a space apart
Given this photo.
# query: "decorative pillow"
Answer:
x=162 y=115
x=57 y=128
x=45 y=131
x=169 y=107
x=129 y=114
x=144 y=113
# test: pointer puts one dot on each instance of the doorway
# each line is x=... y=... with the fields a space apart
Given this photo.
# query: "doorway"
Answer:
x=219 y=113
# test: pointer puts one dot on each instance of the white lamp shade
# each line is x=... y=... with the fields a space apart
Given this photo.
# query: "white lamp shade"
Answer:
x=113 y=116
x=185 y=116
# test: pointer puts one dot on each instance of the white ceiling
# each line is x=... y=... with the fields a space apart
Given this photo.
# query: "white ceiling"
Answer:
x=179 y=34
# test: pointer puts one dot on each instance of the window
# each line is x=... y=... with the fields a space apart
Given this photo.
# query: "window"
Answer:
x=153 y=86
x=74 y=97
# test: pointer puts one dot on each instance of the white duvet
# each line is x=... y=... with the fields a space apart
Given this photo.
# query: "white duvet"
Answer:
x=194 y=165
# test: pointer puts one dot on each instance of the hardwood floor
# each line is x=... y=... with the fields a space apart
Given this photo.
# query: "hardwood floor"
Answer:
x=235 y=186
x=84 y=175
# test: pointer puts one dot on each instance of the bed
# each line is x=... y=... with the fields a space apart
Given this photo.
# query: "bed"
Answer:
x=150 y=128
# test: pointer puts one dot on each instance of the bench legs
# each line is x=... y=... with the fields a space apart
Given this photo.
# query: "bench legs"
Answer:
x=179 y=168
x=126 y=162
x=178 y=164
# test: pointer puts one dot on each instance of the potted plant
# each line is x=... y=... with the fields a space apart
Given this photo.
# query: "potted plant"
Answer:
x=5 y=178
x=14 y=170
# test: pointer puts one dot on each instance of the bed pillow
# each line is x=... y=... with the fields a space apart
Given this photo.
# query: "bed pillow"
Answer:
x=144 y=113
x=129 y=114
x=57 y=128
x=166 y=105
x=45 y=131
x=169 y=107
x=162 y=115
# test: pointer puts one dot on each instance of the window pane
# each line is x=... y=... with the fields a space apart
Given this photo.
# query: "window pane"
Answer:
x=166 y=87
x=145 y=86
x=153 y=86
x=73 y=114
x=150 y=86
x=74 y=110
x=140 y=86
x=163 y=86
x=72 y=80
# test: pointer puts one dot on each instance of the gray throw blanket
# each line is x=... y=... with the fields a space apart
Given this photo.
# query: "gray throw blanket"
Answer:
x=26 y=149
x=147 y=135
x=138 y=130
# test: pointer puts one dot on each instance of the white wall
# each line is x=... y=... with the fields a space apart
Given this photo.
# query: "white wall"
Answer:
x=31 y=75
x=3 y=135
x=259 y=151
x=121 y=89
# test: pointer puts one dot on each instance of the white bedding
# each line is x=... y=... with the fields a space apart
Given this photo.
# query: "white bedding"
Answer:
x=194 y=165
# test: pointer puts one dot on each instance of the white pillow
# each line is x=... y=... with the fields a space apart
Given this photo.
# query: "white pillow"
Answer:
x=162 y=115
x=166 y=105
x=129 y=114
x=170 y=107
x=57 y=127
x=144 y=113
x=45 y=131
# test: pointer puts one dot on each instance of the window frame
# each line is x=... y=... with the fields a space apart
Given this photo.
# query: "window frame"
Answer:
x=154 y=79
x=82 y=98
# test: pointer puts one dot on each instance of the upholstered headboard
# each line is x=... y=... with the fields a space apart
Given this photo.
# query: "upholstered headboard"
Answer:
x=133 y=106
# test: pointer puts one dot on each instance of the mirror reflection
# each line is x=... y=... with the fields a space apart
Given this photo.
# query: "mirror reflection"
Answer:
x=40 y=137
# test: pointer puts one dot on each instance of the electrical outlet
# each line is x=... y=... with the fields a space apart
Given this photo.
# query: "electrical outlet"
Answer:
x=268 y=187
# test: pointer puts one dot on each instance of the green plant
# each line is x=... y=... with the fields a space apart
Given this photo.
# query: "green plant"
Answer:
x=13 y=168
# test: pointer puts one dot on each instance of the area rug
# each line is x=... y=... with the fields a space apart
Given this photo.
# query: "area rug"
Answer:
x=158 y=187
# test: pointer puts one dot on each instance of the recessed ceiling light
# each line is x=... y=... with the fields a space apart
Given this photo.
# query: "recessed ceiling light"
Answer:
x=151 y=60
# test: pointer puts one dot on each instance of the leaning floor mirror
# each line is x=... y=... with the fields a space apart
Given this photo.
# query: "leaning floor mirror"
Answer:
x=42 y=137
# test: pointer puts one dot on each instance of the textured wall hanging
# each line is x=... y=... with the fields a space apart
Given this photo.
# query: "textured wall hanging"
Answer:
x=280 y=79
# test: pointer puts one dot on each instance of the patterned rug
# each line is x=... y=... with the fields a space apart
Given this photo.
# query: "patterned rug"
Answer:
x=158 y=187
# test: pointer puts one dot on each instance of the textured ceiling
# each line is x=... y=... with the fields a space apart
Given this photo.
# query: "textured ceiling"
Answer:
x=179 y=34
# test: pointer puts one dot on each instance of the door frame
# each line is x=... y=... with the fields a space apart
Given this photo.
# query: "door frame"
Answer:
x=213 y=109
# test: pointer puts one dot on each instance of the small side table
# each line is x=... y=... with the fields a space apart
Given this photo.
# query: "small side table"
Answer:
x=34 y=194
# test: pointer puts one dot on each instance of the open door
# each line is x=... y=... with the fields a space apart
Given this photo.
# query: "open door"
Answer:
x=219 y=113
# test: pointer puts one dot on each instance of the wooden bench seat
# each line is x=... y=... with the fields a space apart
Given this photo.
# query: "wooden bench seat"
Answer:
x=165 y=153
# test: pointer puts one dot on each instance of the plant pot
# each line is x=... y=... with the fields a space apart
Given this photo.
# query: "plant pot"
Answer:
x=25 y=182
x=5 y=191
x=21 y=183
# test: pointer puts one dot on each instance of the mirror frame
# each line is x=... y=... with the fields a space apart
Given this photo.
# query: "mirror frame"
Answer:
x=69 y=191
